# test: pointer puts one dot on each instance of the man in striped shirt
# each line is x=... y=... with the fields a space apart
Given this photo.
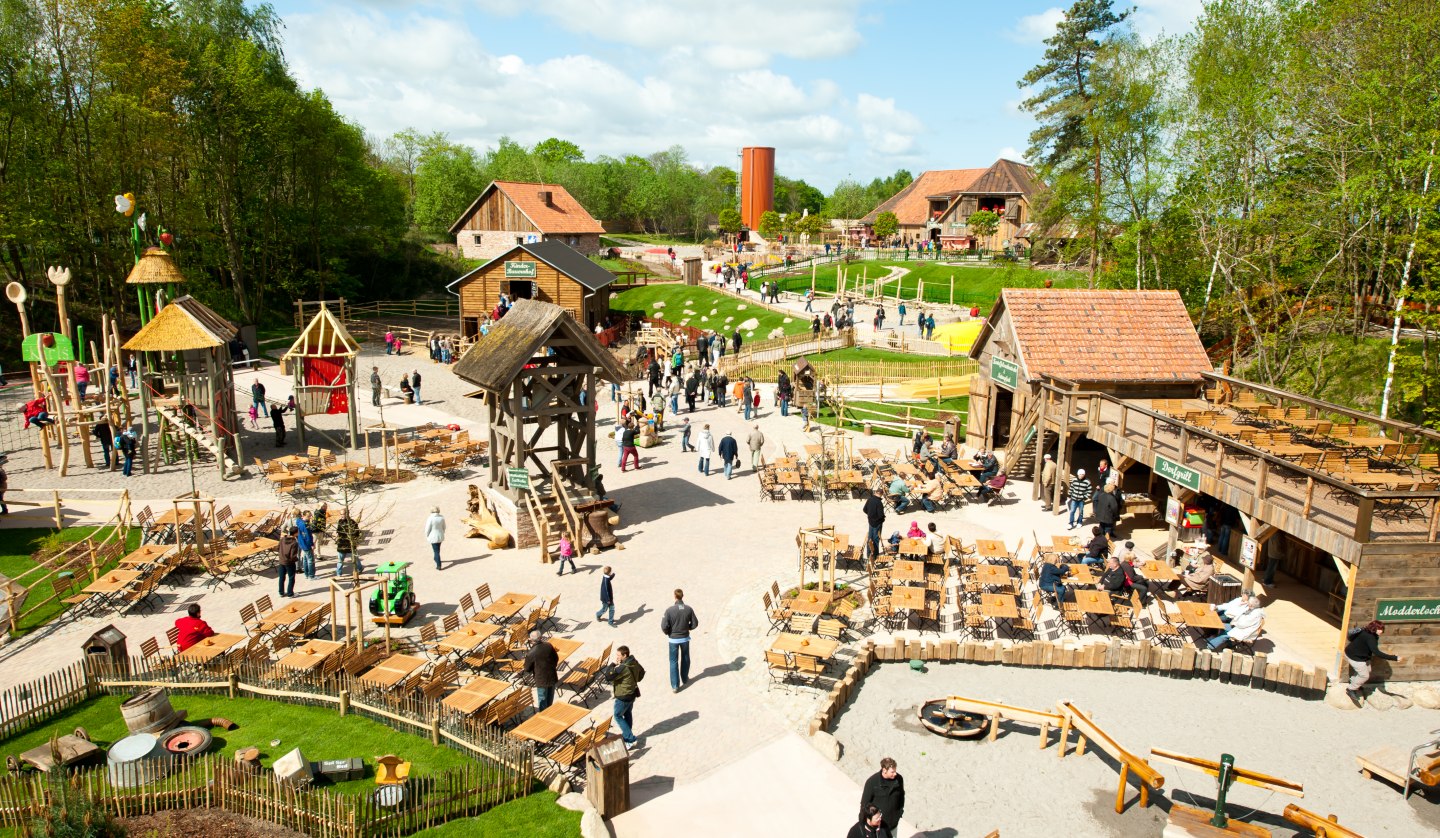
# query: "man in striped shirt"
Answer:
x=1080 y=492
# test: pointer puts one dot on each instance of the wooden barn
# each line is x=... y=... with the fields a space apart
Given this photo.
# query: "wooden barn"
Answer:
x=546 y=271
x=1005 y=189
x=1344 y=506
x=918 y=205
x=508 y=213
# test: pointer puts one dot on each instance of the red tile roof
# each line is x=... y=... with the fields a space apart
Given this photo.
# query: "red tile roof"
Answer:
x=563 y=216
x=911 y=205
x=1121 y=336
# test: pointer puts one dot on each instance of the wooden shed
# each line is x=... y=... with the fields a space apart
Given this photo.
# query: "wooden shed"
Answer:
x=322 y=361
x=548 y=272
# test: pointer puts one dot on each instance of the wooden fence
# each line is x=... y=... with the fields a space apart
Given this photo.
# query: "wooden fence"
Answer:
x=504 y=771
x=775 y=350
x=436 y=307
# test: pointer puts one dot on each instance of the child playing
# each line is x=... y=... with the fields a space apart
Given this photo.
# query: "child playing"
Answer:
x=254 y=418
x=567 y=554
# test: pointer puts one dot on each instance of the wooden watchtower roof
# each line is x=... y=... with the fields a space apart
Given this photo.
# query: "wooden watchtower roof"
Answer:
x=324 y=337
x=498 y=358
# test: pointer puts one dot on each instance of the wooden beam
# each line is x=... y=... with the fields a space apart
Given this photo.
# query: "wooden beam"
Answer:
x=1241 y=775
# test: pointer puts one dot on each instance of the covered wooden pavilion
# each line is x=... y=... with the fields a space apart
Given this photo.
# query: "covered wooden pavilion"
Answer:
x=322 y=360
x=188 y=380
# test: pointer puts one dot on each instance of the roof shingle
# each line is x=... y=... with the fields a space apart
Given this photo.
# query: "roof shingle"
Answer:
x=911 y=205
x=562 y=216
x=1120 y=336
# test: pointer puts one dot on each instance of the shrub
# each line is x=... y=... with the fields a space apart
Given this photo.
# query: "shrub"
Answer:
x=73 y=815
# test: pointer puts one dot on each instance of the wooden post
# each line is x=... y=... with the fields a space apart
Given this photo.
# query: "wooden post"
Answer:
x=344 y=702
x=59 y=517
x=952 y=289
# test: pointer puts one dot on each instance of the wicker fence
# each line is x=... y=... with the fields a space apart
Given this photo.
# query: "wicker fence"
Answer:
x=504 y=768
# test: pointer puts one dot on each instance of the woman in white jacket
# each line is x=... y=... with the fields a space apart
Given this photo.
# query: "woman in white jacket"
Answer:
x=706 y=447
x=435 y=532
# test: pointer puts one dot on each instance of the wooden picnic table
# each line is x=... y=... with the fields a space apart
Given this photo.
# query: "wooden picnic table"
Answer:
x=1094 y=603
x=788 y=477
x=1292 y=449
x=506 y=606
x=1064 y=543
x=211 y=648
x=810 y=602
x=147 y=554
x=787 y=463
x=815 y=450
x=963 y=479
x=549 y=724
x=999 y=606
x=872 y=455
x=1082 y=573
x=467 y=637
x=290 y=461
x=294 y=475
x=903 y=596
x=311 y=655
x=801 y=644
x=993 y=575
x=249 y=549
x=565 y=647
x=991 y=548
x=1367 y=441
x=1158 y=571
x=476 y=693
x=1378 y=478
x=1199 y=615
x=392 y=670
x=850 y=478
x=288 y=614
x=251 y=517
x=908 y=571
x=112 y=582
x=170 y=517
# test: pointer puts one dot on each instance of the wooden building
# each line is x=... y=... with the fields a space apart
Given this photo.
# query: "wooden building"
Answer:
x=549 y=271
x=509 y=213
x=1005 y=189
x=918 y=205
x=1346 y=504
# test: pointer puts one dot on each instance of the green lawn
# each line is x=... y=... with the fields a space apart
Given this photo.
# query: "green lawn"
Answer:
x=896 y=412
x=974 y=285
x=871 y=355
x=320 y=733
x=16 y=547
x=535 y=816
x=679 y=298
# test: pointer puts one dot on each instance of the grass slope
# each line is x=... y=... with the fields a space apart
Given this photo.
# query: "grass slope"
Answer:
x=702 y=301
x=16 y=547
x=857 y=411
x=973 y=285
x=535 y=816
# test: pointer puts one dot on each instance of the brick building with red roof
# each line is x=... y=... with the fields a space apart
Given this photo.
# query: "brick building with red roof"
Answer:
x=508 y=213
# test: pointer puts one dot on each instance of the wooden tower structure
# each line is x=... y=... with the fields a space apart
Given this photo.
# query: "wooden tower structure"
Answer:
x=322 y=360
x=188 y=380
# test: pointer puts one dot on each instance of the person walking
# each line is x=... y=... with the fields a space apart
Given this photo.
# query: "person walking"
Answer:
x=105 y=435
x=435 y=532
x=735 y=341
x=1107 y=511
x=875 y=519
x=4 y=484
x=885 y=790
x=705 y=449
x=809 y=299
x=127 y=445
x=257 y=393
x=277 y=421
x=305 y=541
x=685 y=445
x=1363 y=647
x=624 y=677
x=607 y=595
x=678 y=622
x=347 y=541
x=747 y=396
x=567 y=554
x=1047 y=482
x=783 y=392
x=1079 y=494
x=375 y=386
x=901 y=310
x=756 y=443
x=289 y=552
x=628 y=451
x=729 y=454
x=415 y=384
x=541 y=663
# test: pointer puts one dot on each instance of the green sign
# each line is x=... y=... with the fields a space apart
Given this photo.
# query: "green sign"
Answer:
x=1004 y=372
x=1176 y=473
x=519 y=270
x=1407 y=610
x=518 y=478
x=60 y=348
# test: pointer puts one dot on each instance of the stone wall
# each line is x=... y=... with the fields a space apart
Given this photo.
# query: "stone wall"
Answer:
x=515 y=518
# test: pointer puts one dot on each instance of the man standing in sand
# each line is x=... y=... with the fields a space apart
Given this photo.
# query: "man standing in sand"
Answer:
x=885 y=790
x=756 y=443
x=415 y=384
x=375 y=385
x=435 y=532
x=875 y=518
x=678 y=622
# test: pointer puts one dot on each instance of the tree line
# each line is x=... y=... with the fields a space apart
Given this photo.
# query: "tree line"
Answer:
x=1275 y=165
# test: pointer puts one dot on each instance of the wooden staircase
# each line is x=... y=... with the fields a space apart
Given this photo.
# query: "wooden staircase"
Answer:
x=177 y=422
x=1019 y=459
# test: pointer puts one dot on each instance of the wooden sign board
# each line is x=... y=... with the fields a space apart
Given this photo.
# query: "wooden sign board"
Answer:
x=1421 y=610
x=519 y=270
x=1004 y=372
x=1176 y=473
x=517 y=478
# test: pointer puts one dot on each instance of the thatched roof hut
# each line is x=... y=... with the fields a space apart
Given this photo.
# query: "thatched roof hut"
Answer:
x=185 y=323
x=155 y=267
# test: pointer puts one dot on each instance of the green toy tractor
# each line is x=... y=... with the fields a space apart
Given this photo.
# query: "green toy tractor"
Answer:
x=393 y=601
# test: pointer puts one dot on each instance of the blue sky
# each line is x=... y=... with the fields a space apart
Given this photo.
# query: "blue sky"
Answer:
x=841 y=88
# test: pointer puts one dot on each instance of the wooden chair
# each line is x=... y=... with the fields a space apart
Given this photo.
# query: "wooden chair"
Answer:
x=450 y=623
x=832 y=629
x=1166 y=632
x=264 y=605
x=782 y=670
x=489 y=655
x=249 y=620
x=72 y=594
x=501 y=711
x=547 y=613
x=975 y=623
x=1122 y=618
x=1072 y=617
x=809 y=669
x=482 y=595
x=1027 y=621
x=581 y=679
x=778 y=617
x=467 y=605
x=802 y=623
x=151 y=655
x=172 y=635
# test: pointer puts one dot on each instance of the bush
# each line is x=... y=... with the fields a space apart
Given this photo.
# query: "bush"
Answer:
x=73 y=815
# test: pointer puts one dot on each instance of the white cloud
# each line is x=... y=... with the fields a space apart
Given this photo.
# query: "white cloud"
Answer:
x=1010 y=152
x=1171 y=17
x=427 y=69
x=1034 y=29
x=1015 y=107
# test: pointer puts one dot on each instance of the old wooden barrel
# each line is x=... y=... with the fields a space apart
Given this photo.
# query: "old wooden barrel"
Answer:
x=149 y=712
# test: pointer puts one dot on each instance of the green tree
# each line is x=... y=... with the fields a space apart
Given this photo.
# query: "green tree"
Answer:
x=555 y=151
x=770 y=225
x=448 y=179
x=982 y=225
x=729 y=220
x=886 y=225
x=849 y=201
x=1066 y=142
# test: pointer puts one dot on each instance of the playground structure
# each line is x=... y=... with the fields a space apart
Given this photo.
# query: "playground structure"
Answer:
x=322 y=360
x=189 y=384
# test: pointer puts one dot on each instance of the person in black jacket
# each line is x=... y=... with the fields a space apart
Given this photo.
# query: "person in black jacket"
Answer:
x=1364 y=646
x=678 y=622
x=540 y=663
x=607 y=595
x=1052 y=576
x=871 y=825
x=277 y=419
x=1107 y=511
x=289 y=552
x=1112 y=580
x=729 y=452
x=885 y=790
x=875 y=518
x=1097 y=549
x=106 y=436
x=347 y=540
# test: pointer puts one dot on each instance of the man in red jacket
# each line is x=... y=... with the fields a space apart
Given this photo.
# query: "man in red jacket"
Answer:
x=192 y=629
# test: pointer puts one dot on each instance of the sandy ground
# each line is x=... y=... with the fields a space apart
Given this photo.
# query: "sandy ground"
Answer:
x=968 y=788
x=720 y=542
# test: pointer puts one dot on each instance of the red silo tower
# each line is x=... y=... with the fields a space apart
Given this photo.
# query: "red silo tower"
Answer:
x=757 y=184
